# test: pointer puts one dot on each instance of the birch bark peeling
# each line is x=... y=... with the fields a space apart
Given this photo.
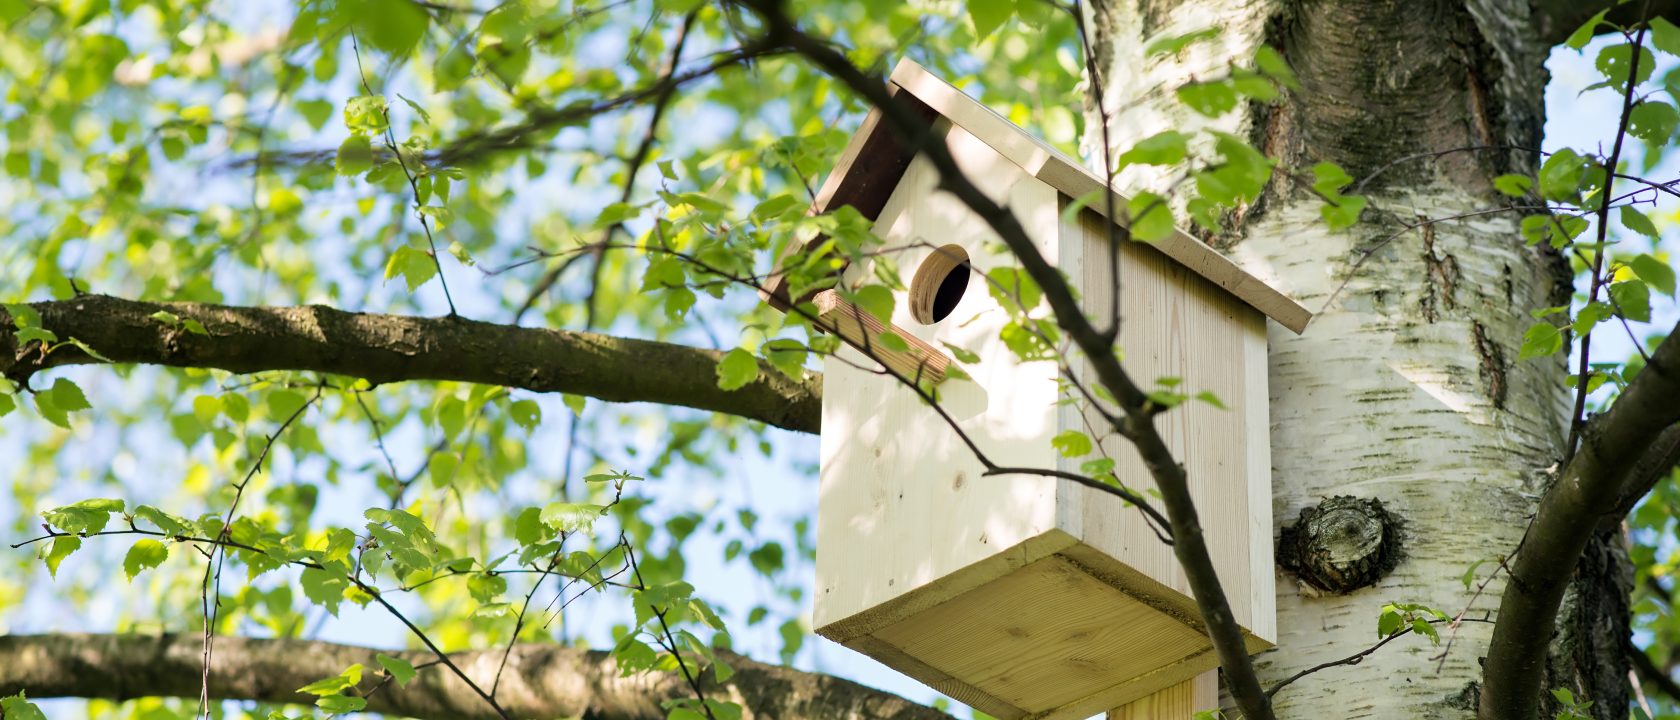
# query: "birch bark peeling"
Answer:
x=394 y=348
x=541 y=681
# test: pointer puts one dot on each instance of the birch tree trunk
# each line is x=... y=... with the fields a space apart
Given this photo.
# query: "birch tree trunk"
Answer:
x=1406 y=388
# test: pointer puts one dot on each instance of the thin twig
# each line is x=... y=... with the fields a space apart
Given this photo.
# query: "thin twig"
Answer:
x=413 y=182
x=210 y=600
x=1579 y=415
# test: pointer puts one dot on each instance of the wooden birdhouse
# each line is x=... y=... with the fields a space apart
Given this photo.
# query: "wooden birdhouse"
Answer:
x=1022 y=595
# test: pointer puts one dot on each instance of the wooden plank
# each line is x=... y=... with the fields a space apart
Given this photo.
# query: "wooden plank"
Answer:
x=1256 y=410
x=1175 y=324
x=1179 y=702
x=863 y=331
x=1045 y=637
x=1073 y=179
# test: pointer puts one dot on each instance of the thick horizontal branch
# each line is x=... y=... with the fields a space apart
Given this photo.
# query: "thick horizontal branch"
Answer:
x=392 y=348
x=1623 y=453
x=542 y=680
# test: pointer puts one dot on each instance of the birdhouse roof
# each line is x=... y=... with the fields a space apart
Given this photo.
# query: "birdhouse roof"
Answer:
x=875 y=160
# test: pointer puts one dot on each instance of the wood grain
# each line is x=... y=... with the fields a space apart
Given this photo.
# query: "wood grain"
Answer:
x=1178 y=702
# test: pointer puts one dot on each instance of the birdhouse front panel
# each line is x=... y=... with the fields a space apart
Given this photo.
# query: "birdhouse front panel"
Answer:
x=1021 y=594
x=891 y=435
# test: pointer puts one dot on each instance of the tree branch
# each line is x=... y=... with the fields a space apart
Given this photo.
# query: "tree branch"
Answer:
x=1612 y=464
x=393 y=348
x=1555 y=20
x=545 y=680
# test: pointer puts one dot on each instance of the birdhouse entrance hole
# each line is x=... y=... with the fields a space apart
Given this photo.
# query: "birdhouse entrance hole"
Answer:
x=939 y=284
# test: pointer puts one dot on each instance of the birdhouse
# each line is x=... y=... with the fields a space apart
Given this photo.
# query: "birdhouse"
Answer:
x=1023 y=595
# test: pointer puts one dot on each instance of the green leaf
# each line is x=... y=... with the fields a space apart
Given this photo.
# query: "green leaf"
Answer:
x=166 y=523
x=526 y=414
x=6 y=404
x=1072 y=443
x=1654 y=272
x=68 y=397
x=1615 y=63
x=1653 y=121
x=528 y=527
x=60 y=548
x=1560 y=175
x=875 y=300
x=1665 y=36
x=1584 y=33
x=1345 y=213
x=776 y=206
x=1209 y=98
x=1470 y=573
x=737 y=368
x=1633 y=299
x=962 y=354
x=316 y=112
x=323 y=588
x=1165 y=148
x=425 y=117
x=18 y=707
x=399 y=669
x=1150 y=217
x=145 y=554
x=283 y=404
x=355 y=156
x=1590 y=316
x=571 y=517
x=1541 y=340
x=892 y=341
x=1014 y=289
x=460 y=251
x=393 y=26
x=787 y=355
x=1389 y=621
x=86 y=516
x=1329 y=178
x=414 y=265
x=1268 y=61
x=1513 y=185
x=340 y=704
x=766 y=559
x=485 y=588
x=1637 y=221
x=1173 y=43
x=989 y=15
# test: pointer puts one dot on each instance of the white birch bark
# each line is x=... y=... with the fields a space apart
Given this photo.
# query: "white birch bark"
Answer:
x=1405 y=387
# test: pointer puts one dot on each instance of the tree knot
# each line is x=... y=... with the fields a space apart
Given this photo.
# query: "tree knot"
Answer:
x=1342 y=544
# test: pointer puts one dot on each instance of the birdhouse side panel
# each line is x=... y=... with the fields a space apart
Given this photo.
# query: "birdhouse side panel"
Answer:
x=904 y=503
x=1183 y=334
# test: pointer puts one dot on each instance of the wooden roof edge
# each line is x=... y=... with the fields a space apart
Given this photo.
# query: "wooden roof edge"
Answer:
x=1070 y=177
x=865 y=188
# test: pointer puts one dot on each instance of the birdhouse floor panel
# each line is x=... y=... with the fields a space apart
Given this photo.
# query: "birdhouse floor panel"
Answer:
x=1048 y=640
